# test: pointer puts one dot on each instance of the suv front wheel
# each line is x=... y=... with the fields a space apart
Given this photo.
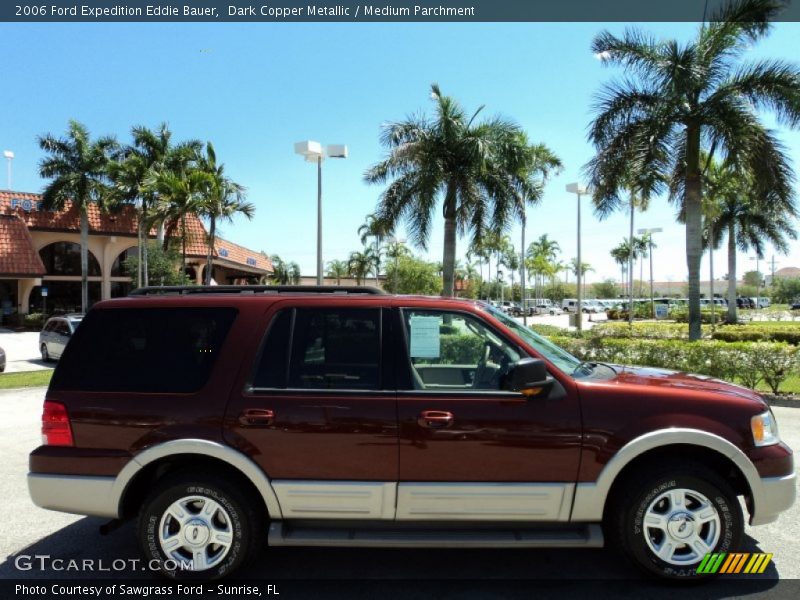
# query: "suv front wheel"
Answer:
x=199 y=527
x=667 y=521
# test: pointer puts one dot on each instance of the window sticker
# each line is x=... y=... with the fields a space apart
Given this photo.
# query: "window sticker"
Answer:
x=424 y=337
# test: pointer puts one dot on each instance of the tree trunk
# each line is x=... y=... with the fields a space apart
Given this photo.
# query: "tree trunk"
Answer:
x=377 y=259
x=139 y=251
x=694 y=227
x=630 y=266
x=183 y=244
x=212 y=237
x=145 y=239
x=84 y=259
x=732 y=316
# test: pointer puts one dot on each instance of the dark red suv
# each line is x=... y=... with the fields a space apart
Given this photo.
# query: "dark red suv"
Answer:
x=346 y=417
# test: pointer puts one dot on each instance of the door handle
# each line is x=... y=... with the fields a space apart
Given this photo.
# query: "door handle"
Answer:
x=255 y=417
x=435 y=419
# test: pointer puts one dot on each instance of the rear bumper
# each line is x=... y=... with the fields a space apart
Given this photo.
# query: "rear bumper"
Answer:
x=777 y=494
x=78 y=494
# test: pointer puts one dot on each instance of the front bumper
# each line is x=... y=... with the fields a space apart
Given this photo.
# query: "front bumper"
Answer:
x=78 y=494
x=776 y=495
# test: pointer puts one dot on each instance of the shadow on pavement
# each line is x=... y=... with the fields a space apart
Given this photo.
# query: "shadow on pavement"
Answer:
x=389 y=573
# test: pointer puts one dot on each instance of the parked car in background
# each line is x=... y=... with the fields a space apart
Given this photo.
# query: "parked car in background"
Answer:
x=547 y=309
x=587 y=306
x=743 y=302
x=2 y=360
x=510 y=308
x=217 y=417
x=55 y=335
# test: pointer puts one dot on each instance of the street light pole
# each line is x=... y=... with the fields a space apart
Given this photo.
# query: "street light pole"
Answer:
x=649 y=233
x=319 y=220
x=9 y=156
x=578 y=190
x=312 y=152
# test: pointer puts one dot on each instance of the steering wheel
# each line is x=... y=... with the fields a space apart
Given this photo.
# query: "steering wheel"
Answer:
x=480 y=369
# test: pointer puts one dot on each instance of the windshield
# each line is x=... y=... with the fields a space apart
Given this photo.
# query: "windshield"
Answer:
x=559 y=357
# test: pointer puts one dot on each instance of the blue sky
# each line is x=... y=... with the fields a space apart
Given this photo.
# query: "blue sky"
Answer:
x=255 y=89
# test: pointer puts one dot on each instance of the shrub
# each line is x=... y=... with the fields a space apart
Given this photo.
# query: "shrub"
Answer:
x=643 y=330
x=548 y=330
x=754 y=333
x=681 y=314
x=747 y=362
x=460 y=349
x=776 y=364
x=34 y=320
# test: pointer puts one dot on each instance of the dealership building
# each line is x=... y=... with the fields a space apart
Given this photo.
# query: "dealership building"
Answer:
x=40 y=252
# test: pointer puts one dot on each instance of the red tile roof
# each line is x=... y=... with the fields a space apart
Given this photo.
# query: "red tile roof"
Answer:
x=18 y=257
x=229 y=251
x=28 y=206
x=27 y=209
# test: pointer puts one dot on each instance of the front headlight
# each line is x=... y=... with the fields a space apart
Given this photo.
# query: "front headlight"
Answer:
x=765 y=429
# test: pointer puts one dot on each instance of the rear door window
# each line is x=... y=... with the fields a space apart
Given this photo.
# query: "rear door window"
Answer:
x=167 y=350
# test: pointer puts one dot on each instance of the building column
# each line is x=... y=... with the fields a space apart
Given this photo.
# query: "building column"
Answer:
x=24 y=289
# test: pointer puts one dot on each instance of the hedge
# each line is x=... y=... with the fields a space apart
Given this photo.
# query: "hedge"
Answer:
x=748 y=362
x=34 y=320
x=746 y=333
x=664 y=331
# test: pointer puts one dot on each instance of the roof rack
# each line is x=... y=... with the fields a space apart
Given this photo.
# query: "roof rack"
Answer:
x=181 y=290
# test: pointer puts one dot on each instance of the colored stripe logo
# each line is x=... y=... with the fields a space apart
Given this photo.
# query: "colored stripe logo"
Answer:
x=734 y=562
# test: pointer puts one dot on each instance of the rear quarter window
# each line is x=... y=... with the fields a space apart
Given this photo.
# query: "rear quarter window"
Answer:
x=166 y=350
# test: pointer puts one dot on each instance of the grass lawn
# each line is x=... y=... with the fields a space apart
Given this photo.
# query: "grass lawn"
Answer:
x=25 y=379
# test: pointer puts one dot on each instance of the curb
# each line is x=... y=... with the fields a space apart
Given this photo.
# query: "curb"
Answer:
x=789 y=401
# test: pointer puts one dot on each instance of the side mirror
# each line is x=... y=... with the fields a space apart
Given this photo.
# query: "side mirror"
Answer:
x=529 y=377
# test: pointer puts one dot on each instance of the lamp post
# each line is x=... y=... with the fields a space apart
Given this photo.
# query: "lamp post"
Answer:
x=9 y=156
x=312 y=152
x=579 y=190
x=649 y=233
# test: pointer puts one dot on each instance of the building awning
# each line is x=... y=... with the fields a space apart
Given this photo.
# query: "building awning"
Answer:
x=18 y=257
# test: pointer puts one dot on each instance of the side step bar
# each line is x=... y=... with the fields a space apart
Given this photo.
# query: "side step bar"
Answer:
x=575 y=536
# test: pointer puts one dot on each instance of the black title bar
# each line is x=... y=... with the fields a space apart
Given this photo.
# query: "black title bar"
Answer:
x=279 y=11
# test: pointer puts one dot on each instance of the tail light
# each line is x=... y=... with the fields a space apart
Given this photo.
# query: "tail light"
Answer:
x=56 y=429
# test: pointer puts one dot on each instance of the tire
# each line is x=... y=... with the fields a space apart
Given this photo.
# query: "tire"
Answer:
x=691 y=508
x=236 y=522
x=45 y=353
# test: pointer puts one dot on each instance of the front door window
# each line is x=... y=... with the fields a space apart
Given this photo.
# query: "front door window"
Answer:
x=455 y=351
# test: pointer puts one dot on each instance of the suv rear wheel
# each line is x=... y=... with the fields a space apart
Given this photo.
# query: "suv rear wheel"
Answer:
x=667 y=521
x=199 y=526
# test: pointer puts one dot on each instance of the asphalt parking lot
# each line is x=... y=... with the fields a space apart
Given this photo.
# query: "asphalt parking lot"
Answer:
x=28 y=530
x=22 y=351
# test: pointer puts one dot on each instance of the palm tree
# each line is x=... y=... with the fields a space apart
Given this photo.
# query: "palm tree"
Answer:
x=337 y=269
x=179 y=195
x=360 y=263
x=641 y=246
x=621 y=254
x=474 y=167
x=152 y=152
x=284 y=273
x=223 y=200
x=77 y=168
x=749 y=220
x=374 y=227
x=541 y=254
x=680 y=98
